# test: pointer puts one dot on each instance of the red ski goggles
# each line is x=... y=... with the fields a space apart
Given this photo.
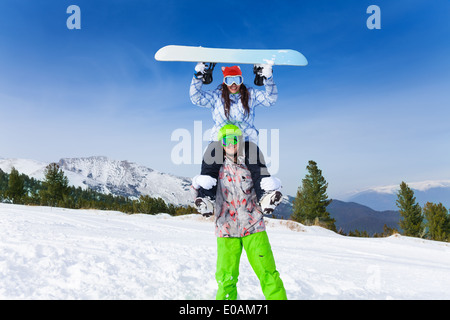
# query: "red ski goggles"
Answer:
x=227 y=140
x=229 y=80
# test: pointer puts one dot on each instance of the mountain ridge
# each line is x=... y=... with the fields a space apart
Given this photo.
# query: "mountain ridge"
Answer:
x=126 y=178
x=350 y=216
x=384 y=198
x=123 y=178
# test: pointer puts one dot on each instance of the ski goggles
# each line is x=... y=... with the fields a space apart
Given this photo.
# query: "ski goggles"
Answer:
x=229 y=80
x=232 y=139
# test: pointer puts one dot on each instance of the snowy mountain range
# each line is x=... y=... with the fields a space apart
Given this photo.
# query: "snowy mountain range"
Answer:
x=349 y=216
x=108 y=176
x=367 y=210
x=384 y=198
x=121 y=178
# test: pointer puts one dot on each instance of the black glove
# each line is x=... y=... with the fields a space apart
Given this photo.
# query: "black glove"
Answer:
x=262 y=71
x=259 y=78
x=204 y=72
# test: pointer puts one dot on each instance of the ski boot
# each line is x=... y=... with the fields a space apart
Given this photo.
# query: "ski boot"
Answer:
x=270 y=201
x=204 y=206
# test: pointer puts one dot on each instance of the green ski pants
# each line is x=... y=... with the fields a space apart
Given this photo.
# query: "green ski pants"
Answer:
x=261 y=259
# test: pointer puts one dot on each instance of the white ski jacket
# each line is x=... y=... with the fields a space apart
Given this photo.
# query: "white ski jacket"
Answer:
x=213 y=100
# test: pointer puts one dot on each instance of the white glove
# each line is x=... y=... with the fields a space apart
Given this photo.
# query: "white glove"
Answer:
x=200 y=67
x=271 y=184
x=204 y=181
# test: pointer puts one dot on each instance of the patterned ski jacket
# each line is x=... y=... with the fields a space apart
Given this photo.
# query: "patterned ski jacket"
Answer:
x=237 y=212
x=213 y=100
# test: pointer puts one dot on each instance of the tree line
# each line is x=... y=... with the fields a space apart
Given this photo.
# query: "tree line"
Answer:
x=430 y=222
x=310 y=208
x=55 y=191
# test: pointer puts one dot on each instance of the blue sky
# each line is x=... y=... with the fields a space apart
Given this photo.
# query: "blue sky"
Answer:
x=371 y=108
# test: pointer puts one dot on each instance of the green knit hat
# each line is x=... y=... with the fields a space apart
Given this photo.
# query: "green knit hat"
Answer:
x=229 y=130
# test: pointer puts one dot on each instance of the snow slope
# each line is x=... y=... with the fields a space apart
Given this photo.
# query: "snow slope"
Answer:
x=53 y=253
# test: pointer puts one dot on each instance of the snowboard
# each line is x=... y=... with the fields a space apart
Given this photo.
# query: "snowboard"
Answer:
x=286 y=57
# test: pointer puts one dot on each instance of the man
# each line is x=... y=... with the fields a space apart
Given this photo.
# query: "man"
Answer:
x=265 y=186
x=239 y=222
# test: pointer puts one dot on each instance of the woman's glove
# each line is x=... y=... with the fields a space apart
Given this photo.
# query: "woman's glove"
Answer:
x=266 y=70
x=204 y=72
x=200 y=67
x=262 y=71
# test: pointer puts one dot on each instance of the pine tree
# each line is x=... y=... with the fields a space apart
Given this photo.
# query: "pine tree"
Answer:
x=438 y=221
x=310 y=204
x=149 y=205
x=55 y=185
x=410 y=211
x=16 y=187
x=3 y=184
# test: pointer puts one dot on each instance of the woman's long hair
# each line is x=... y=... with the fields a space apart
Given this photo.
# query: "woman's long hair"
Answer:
x=245 y=97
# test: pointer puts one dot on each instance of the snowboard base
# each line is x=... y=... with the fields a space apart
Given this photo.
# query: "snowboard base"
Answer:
x=286 y=57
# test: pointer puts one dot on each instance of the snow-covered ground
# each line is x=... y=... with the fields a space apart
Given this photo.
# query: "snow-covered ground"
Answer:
x=53 y=253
